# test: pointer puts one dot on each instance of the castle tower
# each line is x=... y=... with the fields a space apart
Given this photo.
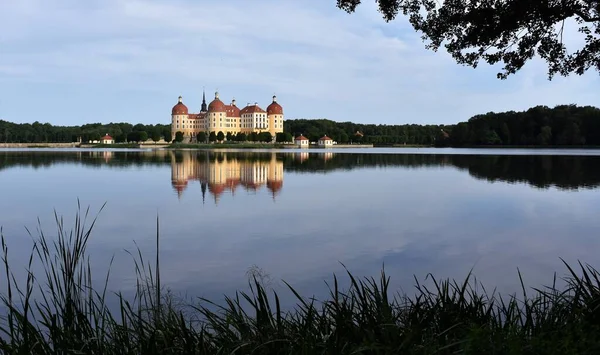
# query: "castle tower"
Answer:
x=275 y=117
x=216 y=115
x=179 y=117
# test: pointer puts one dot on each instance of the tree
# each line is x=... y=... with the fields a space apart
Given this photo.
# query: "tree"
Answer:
x=155 y=135
x=280 y=137
x=133 y=136
x=167 y=135
x=229 y=136
x=212 y=136
x=545 y=136
x=241 y=137
x=265 y=137
x=143 y=136
x=179 y=137
x=507 y=31
x=220 y=136
x=201 y=137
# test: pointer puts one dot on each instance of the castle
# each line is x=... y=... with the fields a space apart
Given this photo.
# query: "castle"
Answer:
x=218 y=117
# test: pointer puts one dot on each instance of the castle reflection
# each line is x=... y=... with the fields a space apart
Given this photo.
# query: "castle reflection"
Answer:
x=219 y=172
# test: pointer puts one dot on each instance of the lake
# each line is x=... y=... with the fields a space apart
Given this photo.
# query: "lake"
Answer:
x=299 y=215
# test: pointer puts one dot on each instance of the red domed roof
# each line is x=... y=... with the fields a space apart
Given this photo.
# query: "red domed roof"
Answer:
x=179 y=109
x=301 y=138
x=274 y=108
x=325 y=138
x=216 y=105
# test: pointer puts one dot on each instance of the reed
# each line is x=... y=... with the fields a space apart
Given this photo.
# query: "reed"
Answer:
x=61 y=312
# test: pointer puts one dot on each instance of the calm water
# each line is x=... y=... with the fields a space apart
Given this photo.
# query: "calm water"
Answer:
x=299 y=215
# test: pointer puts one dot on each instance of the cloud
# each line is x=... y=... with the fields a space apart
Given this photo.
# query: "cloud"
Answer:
x=136 y=56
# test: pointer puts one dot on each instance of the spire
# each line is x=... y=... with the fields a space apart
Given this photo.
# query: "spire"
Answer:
x=203 y=188
x=203 y=107
x=216 y=94
x=180 y=99
x=274 y=98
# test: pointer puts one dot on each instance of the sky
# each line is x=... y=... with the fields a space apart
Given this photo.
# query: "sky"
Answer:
x=71 y=62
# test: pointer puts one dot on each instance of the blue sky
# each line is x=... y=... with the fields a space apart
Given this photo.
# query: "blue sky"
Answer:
x=72 y=62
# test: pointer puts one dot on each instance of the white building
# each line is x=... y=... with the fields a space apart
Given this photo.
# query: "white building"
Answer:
x=301 y=141
x=107 y=139
x=325 y=142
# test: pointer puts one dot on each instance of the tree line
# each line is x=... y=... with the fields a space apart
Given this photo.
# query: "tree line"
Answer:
x=46 y=133
x=349 y=132
x=563 y=125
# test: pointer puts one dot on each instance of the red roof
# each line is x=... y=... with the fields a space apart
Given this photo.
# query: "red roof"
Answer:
x=274 y=108
x=232 y=110
x=301 y=138
x=325 y=138
x=216 y=105
x=252 y=109
x=179 y=108
x=107 y=138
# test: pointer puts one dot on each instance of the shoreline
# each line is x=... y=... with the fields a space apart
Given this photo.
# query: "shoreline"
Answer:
x=249 y=145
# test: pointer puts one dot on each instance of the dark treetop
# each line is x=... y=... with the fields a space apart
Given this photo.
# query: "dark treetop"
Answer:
x=506 y=31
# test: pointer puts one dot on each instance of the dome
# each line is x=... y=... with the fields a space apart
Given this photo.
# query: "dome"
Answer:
x=180 y=108
x=274 y=108
x=216 y=105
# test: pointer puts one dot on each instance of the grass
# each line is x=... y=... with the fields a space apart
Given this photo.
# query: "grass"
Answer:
x=72 y=317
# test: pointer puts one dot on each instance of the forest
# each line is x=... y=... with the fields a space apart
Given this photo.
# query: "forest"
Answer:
x=45 y=132
x=564 y=125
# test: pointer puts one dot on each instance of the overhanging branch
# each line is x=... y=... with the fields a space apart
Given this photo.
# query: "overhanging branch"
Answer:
x=585 y=17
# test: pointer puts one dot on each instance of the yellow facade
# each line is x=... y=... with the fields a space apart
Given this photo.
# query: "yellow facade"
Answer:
x=219 y=117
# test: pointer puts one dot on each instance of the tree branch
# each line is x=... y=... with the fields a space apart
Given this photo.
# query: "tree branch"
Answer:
x=585 y=17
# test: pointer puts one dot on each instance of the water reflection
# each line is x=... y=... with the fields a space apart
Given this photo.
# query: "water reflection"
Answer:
x=221 y=171
x=218 y=173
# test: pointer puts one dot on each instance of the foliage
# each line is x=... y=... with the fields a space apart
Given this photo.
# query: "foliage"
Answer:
x=212 y=136
x=178 y=137
x=564 y=125
x=155 y=136
x=241 y=137
x=348 y=132
x=444 y=316
x=220 y=136
x=283 y=137
x=137 y=136
x=167 y=135
x=508 y=31
x=265 y=137
x=201 y=137
x=37 y=132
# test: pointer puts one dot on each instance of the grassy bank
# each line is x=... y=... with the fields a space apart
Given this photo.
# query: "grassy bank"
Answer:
x=368 y=318
x=226 y=146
